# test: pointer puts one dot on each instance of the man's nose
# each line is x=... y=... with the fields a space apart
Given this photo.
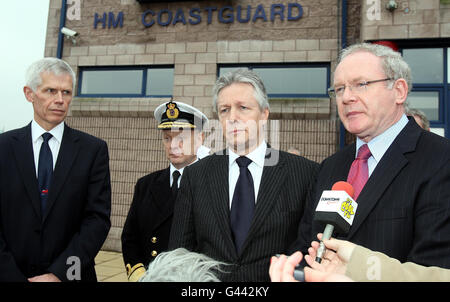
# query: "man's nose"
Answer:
x=234 y=115
x=59 y=97
x=348 y=95
x=176 y=143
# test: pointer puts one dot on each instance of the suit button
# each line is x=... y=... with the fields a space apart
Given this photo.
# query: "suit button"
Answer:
x=154 y=253
x=154 y=239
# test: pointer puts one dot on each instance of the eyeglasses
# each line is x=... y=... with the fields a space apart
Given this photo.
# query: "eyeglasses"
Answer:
x=358 y=87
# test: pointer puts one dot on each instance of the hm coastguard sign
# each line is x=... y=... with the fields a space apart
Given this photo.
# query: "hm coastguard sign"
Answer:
x=197 y=15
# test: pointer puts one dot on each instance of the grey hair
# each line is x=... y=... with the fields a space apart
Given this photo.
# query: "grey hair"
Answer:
x=393 y=64
x=53 y=65
x=416 y=112
x=242 y=75
x=181 y=265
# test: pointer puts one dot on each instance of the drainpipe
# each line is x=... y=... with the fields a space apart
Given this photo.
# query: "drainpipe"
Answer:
x=62 y=23
x=342 y=129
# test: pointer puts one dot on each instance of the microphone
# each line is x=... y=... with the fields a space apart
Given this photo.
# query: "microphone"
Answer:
x=336 y=209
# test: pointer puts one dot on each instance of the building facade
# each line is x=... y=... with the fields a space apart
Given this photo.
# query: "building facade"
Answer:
x=130 y=56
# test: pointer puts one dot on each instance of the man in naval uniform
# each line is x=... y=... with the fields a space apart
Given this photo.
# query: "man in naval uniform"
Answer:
x=147 y=227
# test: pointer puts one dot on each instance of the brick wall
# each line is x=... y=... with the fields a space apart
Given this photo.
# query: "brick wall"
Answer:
x=195 y=50
x=413 y=19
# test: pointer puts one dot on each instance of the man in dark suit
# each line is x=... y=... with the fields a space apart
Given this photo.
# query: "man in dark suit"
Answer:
x=404 y=207
x=55 y=200
x=242 y=205
x=147 y=227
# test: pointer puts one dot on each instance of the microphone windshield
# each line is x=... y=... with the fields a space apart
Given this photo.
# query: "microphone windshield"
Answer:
x=344 y=186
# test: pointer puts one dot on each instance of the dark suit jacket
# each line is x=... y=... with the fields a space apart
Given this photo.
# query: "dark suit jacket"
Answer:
x=201 y=220
x=76 y=221
x=149 y=219
x=404 y=208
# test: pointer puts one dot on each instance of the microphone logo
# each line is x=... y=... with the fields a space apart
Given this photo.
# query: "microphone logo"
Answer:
x=347 y=208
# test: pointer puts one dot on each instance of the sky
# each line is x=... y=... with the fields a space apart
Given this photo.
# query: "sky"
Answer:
x=23 y=27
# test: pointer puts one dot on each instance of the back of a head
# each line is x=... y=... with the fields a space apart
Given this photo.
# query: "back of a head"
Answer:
x=242 y=75
x=393 y=64
x=53 y=65
x=425 y=123
x=181 y=265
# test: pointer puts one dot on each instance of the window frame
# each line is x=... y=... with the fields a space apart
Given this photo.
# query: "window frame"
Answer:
x=273 y=97
x=142 y=94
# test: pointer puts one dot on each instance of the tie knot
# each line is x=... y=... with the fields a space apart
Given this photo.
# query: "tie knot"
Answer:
x=364 y=152
x=46 y=136
x=243 y=161
x=176 y=174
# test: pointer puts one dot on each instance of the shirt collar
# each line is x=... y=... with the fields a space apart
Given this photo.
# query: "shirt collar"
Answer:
x=379 y=144
x=257 y=156
x=37 y=131
x=173 y=169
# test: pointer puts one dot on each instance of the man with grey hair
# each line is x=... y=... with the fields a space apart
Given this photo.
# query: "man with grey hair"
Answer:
x=55 y=202
x=243 y=204
x=181 y=265
x=419 y=116
x=400 y=172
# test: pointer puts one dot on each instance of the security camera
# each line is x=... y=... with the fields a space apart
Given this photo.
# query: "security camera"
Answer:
x=68 y=32
x=391 y=5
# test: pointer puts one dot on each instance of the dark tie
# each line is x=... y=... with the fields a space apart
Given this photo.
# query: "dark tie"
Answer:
x=243 y=203
x=359 y=172
x=176 y=175
x=45 y=170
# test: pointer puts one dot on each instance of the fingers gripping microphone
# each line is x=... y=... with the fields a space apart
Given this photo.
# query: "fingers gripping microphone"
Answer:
x=336 y=209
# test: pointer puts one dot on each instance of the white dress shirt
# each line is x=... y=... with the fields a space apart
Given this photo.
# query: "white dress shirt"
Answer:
x=54 y=143
x=379 y=144
x=173 y=169
x=255 y=167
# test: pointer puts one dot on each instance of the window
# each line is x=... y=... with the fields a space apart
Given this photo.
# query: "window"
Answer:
x=430 y=91
x=126 y=82
x=427 y=101
x=290 y=81
x=426 y=64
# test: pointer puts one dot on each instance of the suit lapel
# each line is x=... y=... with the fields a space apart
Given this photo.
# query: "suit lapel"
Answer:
x=67 y=153
x=341 y=168
x=219 y=190
x=162 y=198
x=24 y=157
x=387 y=169
x=269 y=189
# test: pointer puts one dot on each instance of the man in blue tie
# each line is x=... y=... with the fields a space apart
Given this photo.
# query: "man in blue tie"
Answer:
x=56 y=194
x=243 y=204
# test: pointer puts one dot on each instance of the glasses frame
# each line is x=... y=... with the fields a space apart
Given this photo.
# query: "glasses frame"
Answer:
x=332 y=91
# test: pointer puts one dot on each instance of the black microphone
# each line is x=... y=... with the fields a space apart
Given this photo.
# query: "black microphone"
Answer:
x=336 y=209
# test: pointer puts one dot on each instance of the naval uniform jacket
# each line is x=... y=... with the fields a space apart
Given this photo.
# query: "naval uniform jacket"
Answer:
x=147 y=227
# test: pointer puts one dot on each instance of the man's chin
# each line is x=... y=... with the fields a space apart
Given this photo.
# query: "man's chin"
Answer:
x=243 y=147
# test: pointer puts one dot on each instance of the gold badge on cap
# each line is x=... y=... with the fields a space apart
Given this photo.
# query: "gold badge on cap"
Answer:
x=172 y=110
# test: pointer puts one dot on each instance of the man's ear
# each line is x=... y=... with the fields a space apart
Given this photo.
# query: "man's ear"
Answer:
x=28 y=92
x=401 y=91
x=202 y=136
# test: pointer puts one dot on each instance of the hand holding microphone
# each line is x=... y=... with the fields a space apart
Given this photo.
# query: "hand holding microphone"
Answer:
x=336 y=209
x=282 y=267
